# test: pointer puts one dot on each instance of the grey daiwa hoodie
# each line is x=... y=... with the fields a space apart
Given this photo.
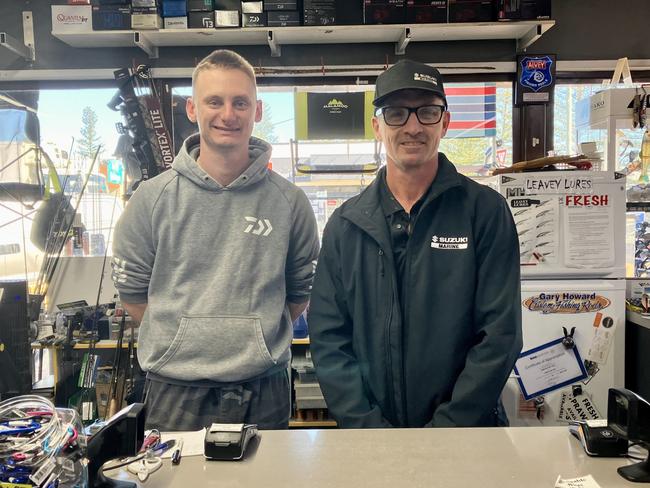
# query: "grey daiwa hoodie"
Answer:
x=216 y=265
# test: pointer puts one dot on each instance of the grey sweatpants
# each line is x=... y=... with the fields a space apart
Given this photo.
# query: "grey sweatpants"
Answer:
x=265 y=402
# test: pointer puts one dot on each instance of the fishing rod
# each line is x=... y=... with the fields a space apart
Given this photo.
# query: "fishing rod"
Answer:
x=115 y=372
x=88 y=372
x=63 y=236
x=50 y=262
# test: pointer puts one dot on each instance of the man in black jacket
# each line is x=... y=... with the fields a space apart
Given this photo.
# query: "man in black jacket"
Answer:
x=415 y=316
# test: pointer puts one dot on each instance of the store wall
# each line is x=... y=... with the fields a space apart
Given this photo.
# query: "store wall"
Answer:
x=585 y=30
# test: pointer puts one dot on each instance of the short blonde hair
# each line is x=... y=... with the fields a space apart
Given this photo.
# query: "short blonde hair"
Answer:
x=224 y=58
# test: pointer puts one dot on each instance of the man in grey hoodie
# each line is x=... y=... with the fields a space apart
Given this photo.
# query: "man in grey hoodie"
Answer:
x=215 y=258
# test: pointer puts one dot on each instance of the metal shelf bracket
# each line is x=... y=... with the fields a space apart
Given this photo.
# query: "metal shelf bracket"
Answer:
x=143 y=43
x=276 y=49
x=531 y=36
x=23 y=49
x=404 y=39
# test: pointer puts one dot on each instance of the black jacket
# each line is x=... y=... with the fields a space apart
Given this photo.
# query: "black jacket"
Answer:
x=448 y=364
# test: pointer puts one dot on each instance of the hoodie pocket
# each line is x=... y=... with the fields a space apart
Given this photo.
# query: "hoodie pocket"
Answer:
x=222 y=348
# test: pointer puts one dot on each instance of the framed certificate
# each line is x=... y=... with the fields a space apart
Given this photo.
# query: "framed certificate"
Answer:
x=548 y=367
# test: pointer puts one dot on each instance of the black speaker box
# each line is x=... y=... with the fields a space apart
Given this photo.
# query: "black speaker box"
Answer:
x=15 y=350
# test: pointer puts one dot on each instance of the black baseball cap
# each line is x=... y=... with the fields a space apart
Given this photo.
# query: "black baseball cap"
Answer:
x=408 y=75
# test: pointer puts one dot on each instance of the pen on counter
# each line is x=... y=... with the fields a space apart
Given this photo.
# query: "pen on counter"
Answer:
x=176 y=455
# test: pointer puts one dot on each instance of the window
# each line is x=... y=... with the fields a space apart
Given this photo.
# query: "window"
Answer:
x=479 y=139
x=480 y=134
x=624 y=152
x=50 y=150
x=564 y=115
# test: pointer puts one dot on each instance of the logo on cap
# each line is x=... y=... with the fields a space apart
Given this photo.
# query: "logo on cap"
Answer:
x=427 y=78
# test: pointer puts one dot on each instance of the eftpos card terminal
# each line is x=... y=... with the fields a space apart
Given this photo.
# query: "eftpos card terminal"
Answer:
x=228 y=442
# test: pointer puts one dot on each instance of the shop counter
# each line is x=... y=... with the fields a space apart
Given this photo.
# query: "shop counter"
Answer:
x=531 y=457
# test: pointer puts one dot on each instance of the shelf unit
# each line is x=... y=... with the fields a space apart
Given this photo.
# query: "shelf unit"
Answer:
x=524 y=32
x=24 y=48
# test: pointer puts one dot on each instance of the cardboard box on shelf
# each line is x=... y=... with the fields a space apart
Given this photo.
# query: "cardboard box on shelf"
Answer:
x=200 y=6
x=226 y=18
x=283 y=18
x=426 y=11
x=256 y=7
x=144 y=3
x=227 y=4
x=254 y=20
x=384 y=11
x=175 y=22
x=174 y=8
x=319 y=12
x=111 y=17
x=280 y=5
x=200 y=20
x=72 y=18
x=349 y=13
x=472 y=11
x=146 y=21
x=535 y=9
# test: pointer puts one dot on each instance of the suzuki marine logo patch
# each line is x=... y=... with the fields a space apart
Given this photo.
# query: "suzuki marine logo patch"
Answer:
x=440 y=242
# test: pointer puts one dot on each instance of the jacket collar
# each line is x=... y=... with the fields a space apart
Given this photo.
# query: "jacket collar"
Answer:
x=366 y=212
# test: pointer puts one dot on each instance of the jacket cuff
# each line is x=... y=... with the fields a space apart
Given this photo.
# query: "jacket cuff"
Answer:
x=298 y=299
x=134 y=298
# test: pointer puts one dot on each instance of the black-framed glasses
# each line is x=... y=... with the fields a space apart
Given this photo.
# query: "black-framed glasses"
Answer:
x=398 y=116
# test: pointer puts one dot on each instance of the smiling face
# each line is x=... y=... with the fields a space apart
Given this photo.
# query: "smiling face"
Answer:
x=412 y=145
x=224 y=105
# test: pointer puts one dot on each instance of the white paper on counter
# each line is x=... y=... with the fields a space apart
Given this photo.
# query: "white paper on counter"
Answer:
x=589 y=236
x=582 y=482
x=193 y=443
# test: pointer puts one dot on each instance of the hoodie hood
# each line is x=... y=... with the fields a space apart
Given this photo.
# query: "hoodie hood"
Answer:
x=185 y=163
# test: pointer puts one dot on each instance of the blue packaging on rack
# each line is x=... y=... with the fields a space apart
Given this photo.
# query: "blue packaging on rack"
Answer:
x=111 y=18
x=174 y=8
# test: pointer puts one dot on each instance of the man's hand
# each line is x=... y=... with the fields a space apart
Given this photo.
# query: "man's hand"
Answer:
x=295 y=309
x=135 y=310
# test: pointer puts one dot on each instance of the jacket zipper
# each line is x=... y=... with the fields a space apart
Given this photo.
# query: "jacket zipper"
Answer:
x=389 y=319
x=389 y=357
x=404 y=324
x=405 y=305
x=404 y=312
